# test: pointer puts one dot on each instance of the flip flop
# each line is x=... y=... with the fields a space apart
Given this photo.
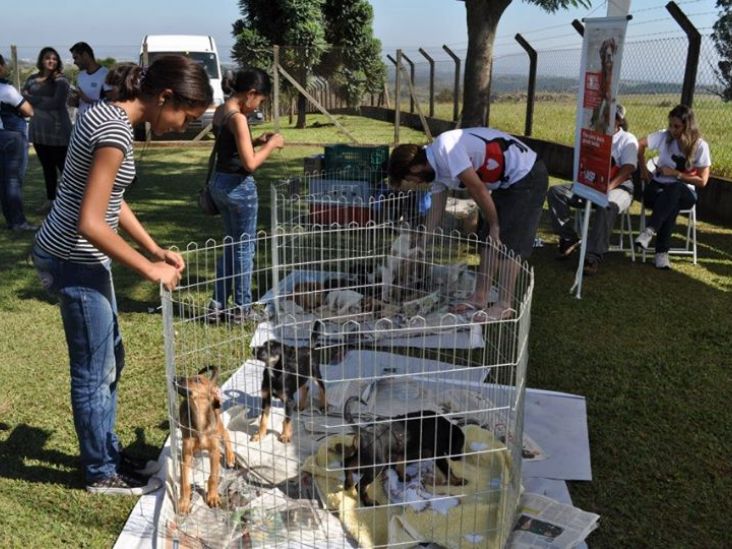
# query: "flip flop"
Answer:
x=496 y=313
x=465 y=308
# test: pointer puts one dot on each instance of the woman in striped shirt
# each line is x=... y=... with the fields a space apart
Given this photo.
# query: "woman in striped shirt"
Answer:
x=78 y=241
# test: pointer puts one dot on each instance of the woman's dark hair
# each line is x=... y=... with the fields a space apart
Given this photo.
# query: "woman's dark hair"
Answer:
x=2 y=60
x=689 y=140
x=42 y=54
x=186 y=79
x=251 y=79
x=402 y=158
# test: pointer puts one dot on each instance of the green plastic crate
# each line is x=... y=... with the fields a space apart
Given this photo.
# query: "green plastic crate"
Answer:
x=359 y=162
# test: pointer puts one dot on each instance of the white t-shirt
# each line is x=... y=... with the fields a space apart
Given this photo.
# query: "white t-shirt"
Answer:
x=92 y=86
x=670 y=156
x=624 y=150
x=10 y=96
x=499 y=159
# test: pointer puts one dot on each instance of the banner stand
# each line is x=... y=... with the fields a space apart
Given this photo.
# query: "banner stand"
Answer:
x=602 y=53
x=583 y=250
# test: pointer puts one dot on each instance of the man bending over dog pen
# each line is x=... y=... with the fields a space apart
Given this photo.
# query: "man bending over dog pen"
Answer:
x=620 y=195
x=507 y=181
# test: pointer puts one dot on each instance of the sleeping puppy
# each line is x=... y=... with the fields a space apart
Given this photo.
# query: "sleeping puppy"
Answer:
x=344 y=302
x=287 y=371
x=396 y=442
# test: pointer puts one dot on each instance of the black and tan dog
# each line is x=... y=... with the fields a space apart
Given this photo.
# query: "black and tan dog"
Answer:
x=397 y=441
x=202 y=429
x=287 y=371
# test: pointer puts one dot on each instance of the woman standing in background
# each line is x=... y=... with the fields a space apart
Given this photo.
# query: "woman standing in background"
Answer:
x=50 y=128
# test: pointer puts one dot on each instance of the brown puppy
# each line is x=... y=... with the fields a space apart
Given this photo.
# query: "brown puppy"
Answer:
x=308 y=295
x=203 y=429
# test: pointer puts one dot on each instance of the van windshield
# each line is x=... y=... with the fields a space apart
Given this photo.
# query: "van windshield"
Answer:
x=207 y=59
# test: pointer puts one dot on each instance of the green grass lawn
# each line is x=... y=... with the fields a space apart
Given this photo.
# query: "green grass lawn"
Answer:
x=649 y=350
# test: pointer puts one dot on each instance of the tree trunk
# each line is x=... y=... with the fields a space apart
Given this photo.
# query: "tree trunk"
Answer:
x=302 y=105
x=482 y=17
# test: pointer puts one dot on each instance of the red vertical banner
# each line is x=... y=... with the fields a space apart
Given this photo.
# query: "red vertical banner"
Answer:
x=601 y=55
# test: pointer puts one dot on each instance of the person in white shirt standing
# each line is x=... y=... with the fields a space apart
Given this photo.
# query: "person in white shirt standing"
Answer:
x=90 y=82
x=508 y=183
x=624 y=155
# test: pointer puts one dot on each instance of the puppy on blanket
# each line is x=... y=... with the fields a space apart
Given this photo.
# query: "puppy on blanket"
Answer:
x=396 y=442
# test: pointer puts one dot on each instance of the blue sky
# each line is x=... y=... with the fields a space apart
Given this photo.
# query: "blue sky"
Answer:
x=116 y=28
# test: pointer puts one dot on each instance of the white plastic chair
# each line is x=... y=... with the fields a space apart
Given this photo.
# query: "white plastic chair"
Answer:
x=689 y=247
x=626 y=231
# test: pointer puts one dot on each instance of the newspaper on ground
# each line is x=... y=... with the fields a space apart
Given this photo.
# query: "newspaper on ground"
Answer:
x=545 y=523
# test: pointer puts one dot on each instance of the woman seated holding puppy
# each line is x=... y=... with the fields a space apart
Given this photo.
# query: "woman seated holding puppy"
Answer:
x=682 y=168
x=507 y=181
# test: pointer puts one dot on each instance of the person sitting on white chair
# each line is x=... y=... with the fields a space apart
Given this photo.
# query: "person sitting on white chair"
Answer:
x=682 y=168
x=620 y=195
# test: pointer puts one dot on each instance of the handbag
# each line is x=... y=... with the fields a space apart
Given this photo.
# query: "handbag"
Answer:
x=205 y=200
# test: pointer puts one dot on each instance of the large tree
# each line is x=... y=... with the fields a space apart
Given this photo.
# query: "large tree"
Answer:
x=328 y=37
x=722 y=37
x=354 y=59
x=483 y=17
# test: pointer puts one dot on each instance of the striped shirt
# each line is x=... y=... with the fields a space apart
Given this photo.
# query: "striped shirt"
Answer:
x=103 y=125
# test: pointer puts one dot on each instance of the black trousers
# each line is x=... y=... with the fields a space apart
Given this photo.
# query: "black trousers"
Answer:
x=52 y=158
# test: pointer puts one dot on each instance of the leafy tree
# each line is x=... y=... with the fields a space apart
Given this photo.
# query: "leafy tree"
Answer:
x=722 y=37
x=483 y=17
x=298 y=24
x=354 y=60
x=332 y=38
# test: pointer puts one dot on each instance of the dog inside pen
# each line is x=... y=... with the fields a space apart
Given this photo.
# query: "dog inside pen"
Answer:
x=361 y=412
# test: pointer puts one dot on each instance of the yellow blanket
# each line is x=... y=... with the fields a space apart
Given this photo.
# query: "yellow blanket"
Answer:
x=481 y=515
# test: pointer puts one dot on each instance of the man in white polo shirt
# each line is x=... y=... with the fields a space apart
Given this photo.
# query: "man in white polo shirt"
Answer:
x=90 y=82
x=508 y=183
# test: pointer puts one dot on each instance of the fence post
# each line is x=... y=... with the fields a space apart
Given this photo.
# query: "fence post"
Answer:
x=398 y=98
x=579 y=27
x=411 y=79
x=16 y=67
x=530 y=94
x=456 y=86
x=276 y=86
x=692 y=56
x=432 y=81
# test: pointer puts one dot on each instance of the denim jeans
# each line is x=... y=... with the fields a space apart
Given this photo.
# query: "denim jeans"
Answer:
x=96 y=354
x=666 y=200
x=598 y=238
x=13 y=163
x=236 y=198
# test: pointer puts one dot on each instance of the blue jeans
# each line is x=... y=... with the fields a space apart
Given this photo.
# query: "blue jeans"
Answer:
x=13 y=163
x=666 y=200
x=236 y=198
x=96 y=354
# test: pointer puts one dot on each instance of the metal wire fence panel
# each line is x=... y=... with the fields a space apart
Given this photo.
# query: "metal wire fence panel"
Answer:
x=388 y=391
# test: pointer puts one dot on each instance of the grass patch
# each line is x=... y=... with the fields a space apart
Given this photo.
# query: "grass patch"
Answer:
x=649 y=350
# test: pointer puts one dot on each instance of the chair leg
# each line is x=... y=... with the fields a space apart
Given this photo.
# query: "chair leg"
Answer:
x=626 y=215
x=692 y=220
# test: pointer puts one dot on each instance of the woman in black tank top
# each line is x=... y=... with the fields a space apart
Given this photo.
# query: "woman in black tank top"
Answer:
x=235 y=192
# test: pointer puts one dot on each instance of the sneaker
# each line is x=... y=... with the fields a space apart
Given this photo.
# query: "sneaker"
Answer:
x=567 y=246
x=644 y=238
x=123 y=485
x=240 y=316
x=214 y=313
x=134 y=466
x=591 y=267
x=25 y=226
x=662 y=261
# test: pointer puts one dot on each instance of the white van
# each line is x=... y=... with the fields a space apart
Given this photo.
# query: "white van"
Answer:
x=199 y=48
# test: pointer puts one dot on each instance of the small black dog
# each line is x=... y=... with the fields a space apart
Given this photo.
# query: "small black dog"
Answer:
x=396 y=442
x=288 y=370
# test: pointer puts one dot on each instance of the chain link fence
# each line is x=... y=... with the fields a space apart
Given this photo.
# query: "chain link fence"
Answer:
x=651 y=81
